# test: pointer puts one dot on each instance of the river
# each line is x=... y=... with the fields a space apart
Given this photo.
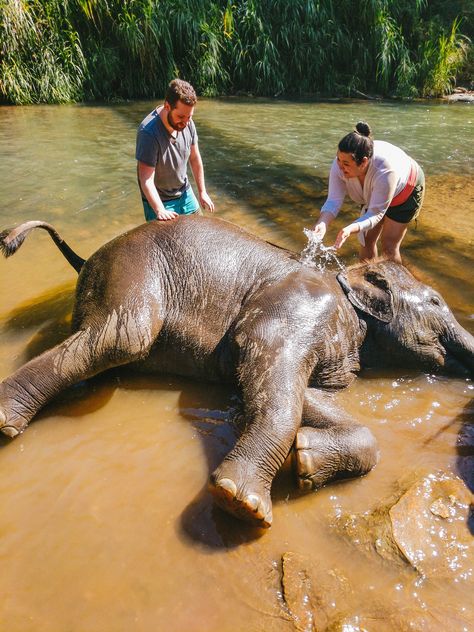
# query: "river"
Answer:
x=106 y=525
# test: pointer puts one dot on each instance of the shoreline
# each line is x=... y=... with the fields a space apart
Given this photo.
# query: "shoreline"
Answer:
x=460 y=95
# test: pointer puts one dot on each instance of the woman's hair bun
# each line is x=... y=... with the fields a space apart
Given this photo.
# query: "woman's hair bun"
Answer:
x=363 y=128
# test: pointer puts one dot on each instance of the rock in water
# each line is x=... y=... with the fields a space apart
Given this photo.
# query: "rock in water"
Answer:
x=430 y=526
x=297 y=592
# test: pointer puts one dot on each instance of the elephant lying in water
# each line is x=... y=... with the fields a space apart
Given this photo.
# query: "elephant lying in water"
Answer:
x=201 y=297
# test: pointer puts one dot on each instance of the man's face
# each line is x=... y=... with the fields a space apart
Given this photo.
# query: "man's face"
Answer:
x=179 y=115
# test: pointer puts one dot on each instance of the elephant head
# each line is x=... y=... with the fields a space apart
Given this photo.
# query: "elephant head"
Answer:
x=408 y=323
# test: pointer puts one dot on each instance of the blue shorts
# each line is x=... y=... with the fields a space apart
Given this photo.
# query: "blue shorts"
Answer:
x=184 y=205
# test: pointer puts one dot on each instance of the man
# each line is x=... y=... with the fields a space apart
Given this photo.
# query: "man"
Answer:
x=166 y=141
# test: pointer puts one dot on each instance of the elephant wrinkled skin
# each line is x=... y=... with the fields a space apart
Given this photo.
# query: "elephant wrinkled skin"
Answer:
x=202 y=297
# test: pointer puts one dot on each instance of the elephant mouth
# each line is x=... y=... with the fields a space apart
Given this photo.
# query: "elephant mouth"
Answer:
x=459 y=355
x=454 y=366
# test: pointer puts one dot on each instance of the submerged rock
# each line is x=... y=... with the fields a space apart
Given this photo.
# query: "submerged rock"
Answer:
x=371 y=532
x=425 y=523
x=403 y=620
x=429 y=525
x=310 y=593
x=297 y=592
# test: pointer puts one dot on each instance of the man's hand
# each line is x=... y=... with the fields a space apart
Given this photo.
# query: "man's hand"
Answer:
x=206 y=202
x=164 y=215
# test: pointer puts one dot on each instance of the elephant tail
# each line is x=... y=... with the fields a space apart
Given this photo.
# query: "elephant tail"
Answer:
x=12 y=238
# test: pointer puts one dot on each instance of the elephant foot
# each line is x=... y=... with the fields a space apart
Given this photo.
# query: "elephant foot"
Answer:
x=319 y=456
x=11 y=425
x=11 y=429
x=250 y=503
x=309 y=460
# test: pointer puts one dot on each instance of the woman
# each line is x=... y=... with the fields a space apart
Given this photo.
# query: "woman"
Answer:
x=385 y=181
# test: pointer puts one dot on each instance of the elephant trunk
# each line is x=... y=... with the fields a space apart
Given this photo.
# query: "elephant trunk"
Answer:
x=460 y=346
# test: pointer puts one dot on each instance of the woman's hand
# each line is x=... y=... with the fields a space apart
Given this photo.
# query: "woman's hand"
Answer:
x=344 y=233
x=320 y=230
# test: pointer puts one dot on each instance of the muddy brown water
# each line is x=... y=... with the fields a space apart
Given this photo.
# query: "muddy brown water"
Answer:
x=106 y=524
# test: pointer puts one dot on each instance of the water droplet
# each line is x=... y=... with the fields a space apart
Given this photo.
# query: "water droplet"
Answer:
x=316 y=255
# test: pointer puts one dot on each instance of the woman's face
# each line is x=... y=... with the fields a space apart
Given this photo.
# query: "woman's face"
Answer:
x=349 y=167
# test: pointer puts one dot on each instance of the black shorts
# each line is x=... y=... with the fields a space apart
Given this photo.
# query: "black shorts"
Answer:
x=410 y=209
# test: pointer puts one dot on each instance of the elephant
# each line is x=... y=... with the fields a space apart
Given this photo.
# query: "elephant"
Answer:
x=201 y=297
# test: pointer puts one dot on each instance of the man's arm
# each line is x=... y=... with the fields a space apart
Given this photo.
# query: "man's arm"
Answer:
x=146 y=177
x=197 y=168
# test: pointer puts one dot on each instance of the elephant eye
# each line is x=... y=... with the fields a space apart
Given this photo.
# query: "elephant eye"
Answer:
x=435 y=301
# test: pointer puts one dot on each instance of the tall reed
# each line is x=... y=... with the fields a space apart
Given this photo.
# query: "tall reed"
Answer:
x=42 y=58
x=443 y=56
x=70 y=50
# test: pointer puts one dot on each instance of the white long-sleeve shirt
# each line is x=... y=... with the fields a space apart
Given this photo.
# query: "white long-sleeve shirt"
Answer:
x=387 y=175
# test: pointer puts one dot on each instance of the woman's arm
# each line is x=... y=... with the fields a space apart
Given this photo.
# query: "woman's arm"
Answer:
x=336 y=193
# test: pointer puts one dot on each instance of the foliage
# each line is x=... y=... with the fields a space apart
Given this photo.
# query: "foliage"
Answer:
x=70 y=50
x=443 y=56
x=41 y=55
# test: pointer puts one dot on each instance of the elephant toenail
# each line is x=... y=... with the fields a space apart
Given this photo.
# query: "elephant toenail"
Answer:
x=252 y=501
x=10 y=431
x=301 y=441
x=304 y=461
x=305 y=483
x=228 y=485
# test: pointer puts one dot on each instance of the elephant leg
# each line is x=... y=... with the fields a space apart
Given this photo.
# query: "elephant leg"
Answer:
x=85 y=353
x=273 y=386
x=329 y=445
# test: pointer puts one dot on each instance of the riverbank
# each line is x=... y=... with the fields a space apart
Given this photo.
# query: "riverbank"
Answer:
x=461 y=95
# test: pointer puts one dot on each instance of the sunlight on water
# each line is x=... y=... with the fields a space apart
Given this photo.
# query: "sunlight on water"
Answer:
x=316 y=255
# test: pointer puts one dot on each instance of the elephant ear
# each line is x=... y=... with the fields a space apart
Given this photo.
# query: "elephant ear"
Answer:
x=368 y=290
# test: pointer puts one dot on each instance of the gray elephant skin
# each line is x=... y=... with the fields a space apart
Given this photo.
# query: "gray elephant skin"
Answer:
x=202 y=297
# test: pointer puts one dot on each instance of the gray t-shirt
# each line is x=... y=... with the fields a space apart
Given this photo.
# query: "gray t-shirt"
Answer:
x=156 y=148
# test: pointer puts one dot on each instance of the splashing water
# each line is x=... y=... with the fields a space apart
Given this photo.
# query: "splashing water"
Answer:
x=315 y=255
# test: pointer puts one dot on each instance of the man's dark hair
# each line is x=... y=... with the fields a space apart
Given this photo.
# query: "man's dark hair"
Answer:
x=179 y=90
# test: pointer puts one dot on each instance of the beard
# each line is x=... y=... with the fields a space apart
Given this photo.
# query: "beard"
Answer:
x=177 y=126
